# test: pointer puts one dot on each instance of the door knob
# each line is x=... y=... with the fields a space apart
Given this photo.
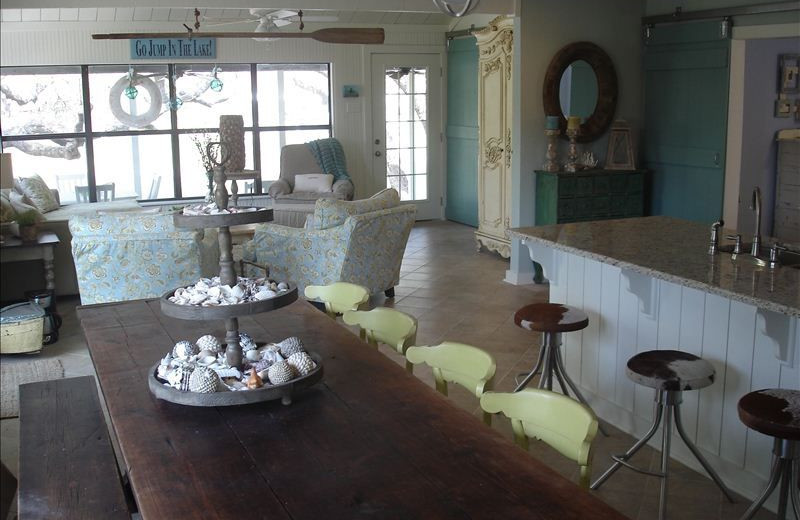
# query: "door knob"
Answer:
x=377 y=153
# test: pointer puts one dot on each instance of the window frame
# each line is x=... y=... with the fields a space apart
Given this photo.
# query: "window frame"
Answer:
x=89 y=135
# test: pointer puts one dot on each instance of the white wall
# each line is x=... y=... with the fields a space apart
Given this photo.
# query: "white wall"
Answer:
x=541 y=29
x=46 y=43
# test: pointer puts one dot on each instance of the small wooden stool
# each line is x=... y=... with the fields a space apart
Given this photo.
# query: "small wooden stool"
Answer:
x=670 y=373
x=776 y=412
x=551 y=319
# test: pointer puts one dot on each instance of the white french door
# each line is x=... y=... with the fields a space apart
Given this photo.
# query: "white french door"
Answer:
x=407 y=124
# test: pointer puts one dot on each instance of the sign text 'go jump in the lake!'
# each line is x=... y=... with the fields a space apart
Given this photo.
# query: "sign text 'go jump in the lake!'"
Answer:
x=168 y=48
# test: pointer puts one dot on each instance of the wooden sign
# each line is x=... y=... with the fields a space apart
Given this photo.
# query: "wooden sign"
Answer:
x=171 y=48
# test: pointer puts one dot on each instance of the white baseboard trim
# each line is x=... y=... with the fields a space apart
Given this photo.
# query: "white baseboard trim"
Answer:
x=518 y=278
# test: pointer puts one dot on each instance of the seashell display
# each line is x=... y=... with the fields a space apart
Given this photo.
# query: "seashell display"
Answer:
x=209 y=342
x=280 y=372
x=184 y=349
x=227 y=372
x=210 y=292
x=262 y=365
x=210 y=208
x=291 y=346
x=302 y=363
x=254 y=381
x=204 y=381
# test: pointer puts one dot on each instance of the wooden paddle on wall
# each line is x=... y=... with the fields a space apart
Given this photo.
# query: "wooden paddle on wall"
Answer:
x=331 y=35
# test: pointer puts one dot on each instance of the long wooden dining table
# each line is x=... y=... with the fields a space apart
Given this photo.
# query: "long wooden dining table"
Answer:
x=368 y=441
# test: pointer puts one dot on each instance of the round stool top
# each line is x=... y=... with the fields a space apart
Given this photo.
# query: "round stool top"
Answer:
x=670 y=370
x=551 y=317
x=774 y=412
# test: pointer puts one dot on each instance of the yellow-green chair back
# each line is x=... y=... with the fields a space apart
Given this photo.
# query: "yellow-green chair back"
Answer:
x=384 y=325
x=563 y=423
x=459 y=363
x=338 y=297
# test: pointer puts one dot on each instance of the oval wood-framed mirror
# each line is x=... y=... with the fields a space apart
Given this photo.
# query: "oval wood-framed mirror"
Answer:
x=606 y=88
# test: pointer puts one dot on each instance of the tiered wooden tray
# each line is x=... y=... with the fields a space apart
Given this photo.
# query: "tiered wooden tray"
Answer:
x=229 y=313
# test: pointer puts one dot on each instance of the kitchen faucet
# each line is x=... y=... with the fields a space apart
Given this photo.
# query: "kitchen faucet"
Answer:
x=755 y=204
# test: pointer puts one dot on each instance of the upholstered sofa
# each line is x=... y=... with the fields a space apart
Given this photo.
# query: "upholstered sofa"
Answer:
x=360 y=242
x=128 y=256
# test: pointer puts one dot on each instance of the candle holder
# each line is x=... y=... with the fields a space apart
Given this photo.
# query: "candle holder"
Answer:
x=572 y=155
x=551 y=165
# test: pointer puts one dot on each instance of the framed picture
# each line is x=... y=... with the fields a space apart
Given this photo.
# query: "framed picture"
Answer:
x=788 y=68
x=620 y=148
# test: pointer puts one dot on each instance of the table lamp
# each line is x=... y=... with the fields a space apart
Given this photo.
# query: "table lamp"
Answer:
x=6 y=172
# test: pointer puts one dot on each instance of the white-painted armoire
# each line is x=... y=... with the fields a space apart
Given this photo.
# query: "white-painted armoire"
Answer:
x=494 y=135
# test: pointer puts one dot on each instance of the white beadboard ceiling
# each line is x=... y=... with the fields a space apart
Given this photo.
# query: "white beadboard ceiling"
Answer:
x=183 y=14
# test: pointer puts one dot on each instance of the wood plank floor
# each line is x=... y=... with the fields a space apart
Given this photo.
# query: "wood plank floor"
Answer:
x=458 y=294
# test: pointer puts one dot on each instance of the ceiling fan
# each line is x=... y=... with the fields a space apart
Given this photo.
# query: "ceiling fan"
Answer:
x=268 y=21
x=271 y=20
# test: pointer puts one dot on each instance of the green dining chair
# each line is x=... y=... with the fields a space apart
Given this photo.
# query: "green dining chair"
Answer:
x=563 y=423
x=338 y=297
x=459 y=363
x=384 y=325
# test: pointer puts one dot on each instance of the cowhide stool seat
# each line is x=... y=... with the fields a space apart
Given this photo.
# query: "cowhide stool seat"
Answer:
x=670 y=373
x=551 y=319
x=776 y=412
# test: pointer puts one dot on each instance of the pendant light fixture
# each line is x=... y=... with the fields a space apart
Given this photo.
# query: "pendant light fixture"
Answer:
x=457 y=8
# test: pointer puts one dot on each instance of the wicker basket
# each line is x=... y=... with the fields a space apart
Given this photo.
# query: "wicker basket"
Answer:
x=21 y=328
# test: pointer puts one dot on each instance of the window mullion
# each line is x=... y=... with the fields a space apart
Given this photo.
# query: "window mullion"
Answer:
x=256 y=134
x=176 y=148
x=87 y=129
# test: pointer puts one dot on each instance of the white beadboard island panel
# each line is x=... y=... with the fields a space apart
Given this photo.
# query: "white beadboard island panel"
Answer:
x=752 y=342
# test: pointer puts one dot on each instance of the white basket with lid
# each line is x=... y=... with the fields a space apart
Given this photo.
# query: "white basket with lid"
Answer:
x=21 y=328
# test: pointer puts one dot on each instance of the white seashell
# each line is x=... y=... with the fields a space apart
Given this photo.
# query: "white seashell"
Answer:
x=283 y=286
x=207 y=360
x=214 y=292
x=179 y=291
x=271 y=353
x=184 y=349
x=211 y=302
x=197 y=299
x=228 y=372
x=204 y=381
x=264 y=294
x=226 y=290
x=237 y=291
x=162 y=371
x=252 y=355
x=302 y=363
x=281 y=372
x=264 y=374
x=209 y=342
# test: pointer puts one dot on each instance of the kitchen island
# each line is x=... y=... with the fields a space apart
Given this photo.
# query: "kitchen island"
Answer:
x=649 y=283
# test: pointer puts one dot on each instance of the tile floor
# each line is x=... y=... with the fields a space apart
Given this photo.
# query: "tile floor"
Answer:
x=457 y=293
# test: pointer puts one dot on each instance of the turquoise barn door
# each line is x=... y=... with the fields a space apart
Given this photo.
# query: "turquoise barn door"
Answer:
x=686 y=112
x=462 y=131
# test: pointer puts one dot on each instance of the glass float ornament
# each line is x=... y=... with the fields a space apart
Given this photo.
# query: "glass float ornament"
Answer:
x=216 y=83
x=131 y=92
x=175 y=103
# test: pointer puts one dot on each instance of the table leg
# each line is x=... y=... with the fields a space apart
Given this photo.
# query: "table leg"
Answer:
x=49 y=273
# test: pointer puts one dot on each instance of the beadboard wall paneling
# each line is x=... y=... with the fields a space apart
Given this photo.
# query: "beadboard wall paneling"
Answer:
x=47 y=43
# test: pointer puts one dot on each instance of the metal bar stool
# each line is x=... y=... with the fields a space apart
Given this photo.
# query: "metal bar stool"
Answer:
x=776 y=412
x=551 y=319
x=670 y=372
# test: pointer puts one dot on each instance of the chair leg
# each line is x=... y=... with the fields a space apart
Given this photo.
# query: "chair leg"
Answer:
x=666 y=434
x=795 y=488
x=487 y=418
x=389 y=292
x=774 y=477
x=409 y=367
x=713 y=474
x=535 y=370
x=561 y=370
x=621 y=460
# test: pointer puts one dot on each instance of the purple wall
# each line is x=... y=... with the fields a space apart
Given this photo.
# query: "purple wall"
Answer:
x=760 y=127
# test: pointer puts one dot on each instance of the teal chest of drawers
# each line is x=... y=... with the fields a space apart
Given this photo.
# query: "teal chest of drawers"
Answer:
x=588 y=195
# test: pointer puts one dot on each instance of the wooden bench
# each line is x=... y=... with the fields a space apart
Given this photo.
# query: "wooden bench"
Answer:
x=67 y=467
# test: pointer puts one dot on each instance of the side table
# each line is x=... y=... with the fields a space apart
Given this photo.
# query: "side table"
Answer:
x=14 y=249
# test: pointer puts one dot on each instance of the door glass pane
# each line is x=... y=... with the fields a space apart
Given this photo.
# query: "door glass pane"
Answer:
x=150 y=82
x=135 y=165
x=406 y=131
x=272 y=142
x=38 y=100
x=61 y=165
x=202 y=105
x=293 y=94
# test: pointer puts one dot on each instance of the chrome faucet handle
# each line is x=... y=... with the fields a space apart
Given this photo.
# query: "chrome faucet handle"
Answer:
x=774 y=251
x=737 y=247
x=713 y=244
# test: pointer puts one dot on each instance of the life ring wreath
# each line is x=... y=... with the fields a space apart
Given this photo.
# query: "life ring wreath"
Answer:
x=139 y=120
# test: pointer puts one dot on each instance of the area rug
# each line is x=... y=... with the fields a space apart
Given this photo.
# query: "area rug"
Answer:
x=18 y=373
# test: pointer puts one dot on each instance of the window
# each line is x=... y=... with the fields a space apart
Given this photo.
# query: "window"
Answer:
x=407 y=132
x=75 y=126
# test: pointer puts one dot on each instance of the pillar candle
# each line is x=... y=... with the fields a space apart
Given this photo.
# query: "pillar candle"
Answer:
x=573 y=123
x=552 y=123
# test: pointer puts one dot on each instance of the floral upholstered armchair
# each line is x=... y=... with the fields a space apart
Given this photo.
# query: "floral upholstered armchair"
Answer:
x=360 y=242
x=128 y=256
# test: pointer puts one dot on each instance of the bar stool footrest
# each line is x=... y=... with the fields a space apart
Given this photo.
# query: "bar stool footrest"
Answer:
x=621 y=460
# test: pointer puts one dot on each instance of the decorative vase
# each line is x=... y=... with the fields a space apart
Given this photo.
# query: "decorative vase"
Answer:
x=29 y=233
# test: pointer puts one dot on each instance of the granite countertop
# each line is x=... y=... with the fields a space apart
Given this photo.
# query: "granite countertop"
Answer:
x=674 y=250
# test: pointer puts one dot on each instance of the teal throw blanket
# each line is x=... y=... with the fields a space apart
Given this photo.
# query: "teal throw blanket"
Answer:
x=330 y=156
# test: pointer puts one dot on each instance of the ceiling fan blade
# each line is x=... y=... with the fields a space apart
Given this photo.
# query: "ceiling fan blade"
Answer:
x=333 y=35
x=232 y=22
x=281 y=22
x=317 y=18
x=283 y=13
